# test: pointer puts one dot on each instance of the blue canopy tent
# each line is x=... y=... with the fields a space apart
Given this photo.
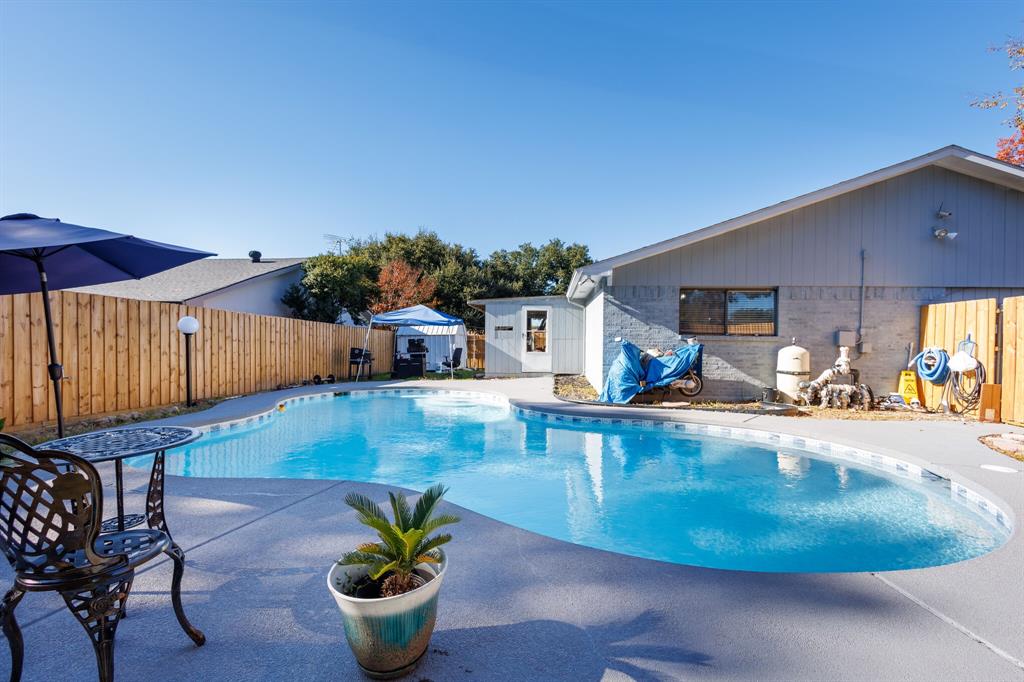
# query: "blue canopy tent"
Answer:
x=413 y=316
x=39 y=254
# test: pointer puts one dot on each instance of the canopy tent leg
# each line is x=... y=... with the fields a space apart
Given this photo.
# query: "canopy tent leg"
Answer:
x=366 y=344
x=451 y=356
x=54 y=369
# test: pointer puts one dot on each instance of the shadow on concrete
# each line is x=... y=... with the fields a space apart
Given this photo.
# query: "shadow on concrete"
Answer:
x=546 y=649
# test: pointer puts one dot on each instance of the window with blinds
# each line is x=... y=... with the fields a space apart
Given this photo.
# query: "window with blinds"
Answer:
x=738 y=312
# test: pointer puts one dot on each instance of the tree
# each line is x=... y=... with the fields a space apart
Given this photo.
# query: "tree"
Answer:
x=348 y=278
x=454 y=268
x=532 y=271
x=332 y=284
x=1011 y=148
x=399 y=285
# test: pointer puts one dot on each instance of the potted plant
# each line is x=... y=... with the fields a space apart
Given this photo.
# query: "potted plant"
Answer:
x=387 y=590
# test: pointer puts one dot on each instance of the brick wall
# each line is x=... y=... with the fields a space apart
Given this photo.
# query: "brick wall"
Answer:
x=738 y=367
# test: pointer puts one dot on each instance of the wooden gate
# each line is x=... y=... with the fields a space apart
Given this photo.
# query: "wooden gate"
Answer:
x=1012 y=349
x=944 y=325
x=475 y=350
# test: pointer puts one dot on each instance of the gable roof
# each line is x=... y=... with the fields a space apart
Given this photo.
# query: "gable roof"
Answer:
x=952 y=158
x=195 y=279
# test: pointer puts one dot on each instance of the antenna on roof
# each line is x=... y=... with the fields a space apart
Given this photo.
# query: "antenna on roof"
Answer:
x=336 y=241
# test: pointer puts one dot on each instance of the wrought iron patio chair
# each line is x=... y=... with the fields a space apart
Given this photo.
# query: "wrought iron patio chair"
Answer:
x=50 y=507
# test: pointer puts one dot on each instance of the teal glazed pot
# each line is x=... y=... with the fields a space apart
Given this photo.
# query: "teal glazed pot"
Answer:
x=388 y=635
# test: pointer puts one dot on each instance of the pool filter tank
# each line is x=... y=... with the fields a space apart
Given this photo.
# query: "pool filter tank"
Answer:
x=793 y=366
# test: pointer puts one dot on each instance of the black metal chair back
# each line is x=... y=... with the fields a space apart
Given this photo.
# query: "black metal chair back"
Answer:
x=456 y=359
x=50 y=506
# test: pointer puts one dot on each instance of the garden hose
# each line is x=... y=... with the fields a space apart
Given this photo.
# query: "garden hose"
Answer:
x=932 y=365
x=966 y=391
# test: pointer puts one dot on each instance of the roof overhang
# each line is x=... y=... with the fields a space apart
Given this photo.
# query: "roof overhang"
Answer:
x=952 y=158
x=481 y=303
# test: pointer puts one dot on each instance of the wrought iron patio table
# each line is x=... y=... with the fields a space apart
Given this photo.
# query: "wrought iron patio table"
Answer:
x=117 y=445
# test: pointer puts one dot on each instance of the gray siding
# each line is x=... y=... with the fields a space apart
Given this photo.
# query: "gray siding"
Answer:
x=820 y=245
x=502 y=353
x=568 y=331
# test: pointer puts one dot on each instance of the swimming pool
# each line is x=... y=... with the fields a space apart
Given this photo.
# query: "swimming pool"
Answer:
x=651 y=492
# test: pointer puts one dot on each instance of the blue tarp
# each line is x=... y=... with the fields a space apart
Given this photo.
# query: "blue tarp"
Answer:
x=628 y=376
x=416 y=316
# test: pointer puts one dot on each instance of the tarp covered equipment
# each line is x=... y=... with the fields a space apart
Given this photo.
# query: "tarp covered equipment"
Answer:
x=634 y=372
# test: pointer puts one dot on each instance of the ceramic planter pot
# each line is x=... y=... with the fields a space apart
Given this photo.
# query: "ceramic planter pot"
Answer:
x=388 y=635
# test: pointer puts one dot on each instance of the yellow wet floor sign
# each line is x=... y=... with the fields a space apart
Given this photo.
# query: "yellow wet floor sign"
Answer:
x=908 y=386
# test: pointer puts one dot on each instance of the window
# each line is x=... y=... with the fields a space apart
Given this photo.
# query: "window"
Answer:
x=739 y=312
x=536 y=331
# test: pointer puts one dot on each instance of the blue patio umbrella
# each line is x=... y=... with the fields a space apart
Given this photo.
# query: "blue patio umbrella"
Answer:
x=39 y=254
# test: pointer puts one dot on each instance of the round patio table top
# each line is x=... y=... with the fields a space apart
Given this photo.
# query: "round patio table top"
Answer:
x=130 y=441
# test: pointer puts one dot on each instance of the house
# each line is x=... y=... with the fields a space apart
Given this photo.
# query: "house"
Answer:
x=245 y=285
x=850 y=264
x=532 y=335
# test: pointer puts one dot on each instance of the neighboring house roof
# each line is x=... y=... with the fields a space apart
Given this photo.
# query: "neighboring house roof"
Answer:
x=480 y=303
x=195 y=279
x=952 y=157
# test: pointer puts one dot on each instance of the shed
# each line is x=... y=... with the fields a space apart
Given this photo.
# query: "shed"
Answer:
x=532 y=335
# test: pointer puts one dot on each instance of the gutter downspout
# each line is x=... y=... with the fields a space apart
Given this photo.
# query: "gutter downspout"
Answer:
x=860 y=313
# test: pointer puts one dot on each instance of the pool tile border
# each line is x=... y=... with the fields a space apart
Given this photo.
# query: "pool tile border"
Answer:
x=959 y=493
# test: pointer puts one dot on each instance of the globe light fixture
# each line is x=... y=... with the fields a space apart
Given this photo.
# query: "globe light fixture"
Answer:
x=188 y=326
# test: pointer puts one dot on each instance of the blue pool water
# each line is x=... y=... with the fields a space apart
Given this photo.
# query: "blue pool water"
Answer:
x=694 y=500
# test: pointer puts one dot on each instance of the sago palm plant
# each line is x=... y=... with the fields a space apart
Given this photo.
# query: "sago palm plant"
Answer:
x=404 y=544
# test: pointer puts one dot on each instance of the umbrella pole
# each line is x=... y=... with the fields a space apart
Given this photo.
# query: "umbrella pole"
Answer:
x=366 y=344
x=55 y=370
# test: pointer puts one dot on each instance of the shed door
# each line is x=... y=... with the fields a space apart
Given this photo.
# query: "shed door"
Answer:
x=536 y=338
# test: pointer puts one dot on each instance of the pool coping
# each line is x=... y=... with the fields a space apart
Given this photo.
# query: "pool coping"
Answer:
x=963 y=491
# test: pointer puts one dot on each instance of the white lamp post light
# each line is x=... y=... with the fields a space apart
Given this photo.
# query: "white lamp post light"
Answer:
x=188 y=326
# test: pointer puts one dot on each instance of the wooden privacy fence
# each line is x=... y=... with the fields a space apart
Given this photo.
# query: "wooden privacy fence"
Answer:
x=999 y=334
x=122 y=354
x=475 y=350
x=1012 y=343
x=944 y=325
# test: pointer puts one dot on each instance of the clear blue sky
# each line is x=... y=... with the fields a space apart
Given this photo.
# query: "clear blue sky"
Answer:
x=237 y=126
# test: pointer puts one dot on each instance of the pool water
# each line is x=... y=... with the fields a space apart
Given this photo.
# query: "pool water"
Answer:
x=688 y=499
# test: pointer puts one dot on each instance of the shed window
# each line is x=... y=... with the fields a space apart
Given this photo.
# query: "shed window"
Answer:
x=737 y=312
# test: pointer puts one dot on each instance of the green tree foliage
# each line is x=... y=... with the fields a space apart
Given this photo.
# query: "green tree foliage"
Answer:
x=331 y=284
x=346 y=279
x=533 y=271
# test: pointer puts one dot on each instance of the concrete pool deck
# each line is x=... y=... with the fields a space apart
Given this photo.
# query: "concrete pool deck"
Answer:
x=519 y=606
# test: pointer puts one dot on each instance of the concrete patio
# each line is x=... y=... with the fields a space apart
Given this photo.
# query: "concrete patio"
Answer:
x=519 y=606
